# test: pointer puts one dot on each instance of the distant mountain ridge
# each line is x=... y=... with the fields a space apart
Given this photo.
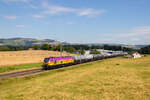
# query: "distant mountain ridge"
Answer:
x=32 y=41
x=25 y=41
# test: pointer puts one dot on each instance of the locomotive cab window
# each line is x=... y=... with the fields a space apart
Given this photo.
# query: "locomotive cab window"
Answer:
x=46 y=60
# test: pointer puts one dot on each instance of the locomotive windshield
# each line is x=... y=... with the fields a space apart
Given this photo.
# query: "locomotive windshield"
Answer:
x=46 y=60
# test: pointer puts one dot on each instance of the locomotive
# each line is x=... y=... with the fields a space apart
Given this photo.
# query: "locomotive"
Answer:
x=57 y=62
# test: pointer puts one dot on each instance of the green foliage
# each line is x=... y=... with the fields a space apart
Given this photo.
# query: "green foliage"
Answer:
x=145 y=50
x=69 y=49
x=45 y=47
x=5 y=48
x=94 y=52
x=13 y=48
x=19 y=67
x=96 y=47
x=58 y=48
x=82 y=52
x=77 y=47
x=112 y=47
x=36 y=47
x=129 y=50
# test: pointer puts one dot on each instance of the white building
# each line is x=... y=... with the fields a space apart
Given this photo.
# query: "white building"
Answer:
x=136 y=55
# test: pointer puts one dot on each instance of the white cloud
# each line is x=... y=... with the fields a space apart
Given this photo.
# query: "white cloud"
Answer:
x=58 y=9
x=37 y=16
x=137 y=31
x=19 y=26
x=90 y=12
x=10 y=17
x=53 y=9
x=137 y=35
x=142 y=30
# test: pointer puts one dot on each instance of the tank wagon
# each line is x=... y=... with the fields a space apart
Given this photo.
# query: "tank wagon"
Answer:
x=56 y=62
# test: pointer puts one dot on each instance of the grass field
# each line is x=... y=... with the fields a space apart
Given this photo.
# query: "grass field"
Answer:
x=26 y=57
x=112 y=79
x=14 y=68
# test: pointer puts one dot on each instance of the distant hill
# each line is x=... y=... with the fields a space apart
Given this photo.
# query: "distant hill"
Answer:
x=111 y=44
x=25 y=41
x=32 y=41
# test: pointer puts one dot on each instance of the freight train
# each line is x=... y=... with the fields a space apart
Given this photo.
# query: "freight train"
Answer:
x=57 y=62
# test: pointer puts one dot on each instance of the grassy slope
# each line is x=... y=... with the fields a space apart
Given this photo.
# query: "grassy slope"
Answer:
x=14 y=68
x=113 y=79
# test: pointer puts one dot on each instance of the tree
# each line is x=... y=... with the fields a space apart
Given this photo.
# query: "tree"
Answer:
x=58 y=48
x=94 y=52
x=36 y=47
x=82 y=52
x=5 y=48
x=69 y=49
x=145 y=50
x=45 y=47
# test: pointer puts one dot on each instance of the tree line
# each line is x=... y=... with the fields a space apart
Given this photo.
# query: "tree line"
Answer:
x=76 y=48
x=145 y=50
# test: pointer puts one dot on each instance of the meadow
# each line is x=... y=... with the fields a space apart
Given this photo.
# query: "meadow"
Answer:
x=8 y=58
x=111 y=79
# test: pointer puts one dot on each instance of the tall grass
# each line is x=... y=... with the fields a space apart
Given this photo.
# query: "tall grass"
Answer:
x=112 y=79
x=19 y=67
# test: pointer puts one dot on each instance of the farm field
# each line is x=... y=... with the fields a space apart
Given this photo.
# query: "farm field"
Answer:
x=26 y=57
x=15 y=68
x=111 y=79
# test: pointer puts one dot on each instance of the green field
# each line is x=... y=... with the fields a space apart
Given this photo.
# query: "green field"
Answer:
x=111 y=79
x=14 y=68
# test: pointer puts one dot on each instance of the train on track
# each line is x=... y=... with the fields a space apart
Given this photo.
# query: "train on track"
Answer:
x=58 y=62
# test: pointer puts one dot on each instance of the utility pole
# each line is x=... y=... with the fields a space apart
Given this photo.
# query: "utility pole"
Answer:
x=80 y=54
x=61 y=50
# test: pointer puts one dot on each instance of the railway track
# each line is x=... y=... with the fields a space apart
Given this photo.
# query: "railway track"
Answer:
x=21 y=73
x=30 y=72
x=35 y=71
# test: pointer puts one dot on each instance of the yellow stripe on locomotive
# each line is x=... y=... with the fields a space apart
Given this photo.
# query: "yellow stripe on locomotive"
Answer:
x=59 y=62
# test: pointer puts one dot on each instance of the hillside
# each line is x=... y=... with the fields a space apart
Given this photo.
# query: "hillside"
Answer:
x=24 y=41
x=32 y=41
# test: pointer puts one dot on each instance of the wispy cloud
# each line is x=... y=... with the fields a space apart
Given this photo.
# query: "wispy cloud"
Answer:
x=37 y=16
x=136 y=35
x=90 y=12
x=10 y=17
x=138 y=31
x=19 y=26
x=142 y=30
x=58 y=9
x=55 y=9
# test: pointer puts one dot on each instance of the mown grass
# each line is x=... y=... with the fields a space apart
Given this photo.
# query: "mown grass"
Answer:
x=19 y=67
x=113 y=79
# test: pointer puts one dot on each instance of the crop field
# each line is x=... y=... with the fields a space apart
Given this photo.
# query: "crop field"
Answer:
x=26 y=57
x=111 y=79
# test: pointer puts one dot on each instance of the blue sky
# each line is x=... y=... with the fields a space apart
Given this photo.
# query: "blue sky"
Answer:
x=77 y=21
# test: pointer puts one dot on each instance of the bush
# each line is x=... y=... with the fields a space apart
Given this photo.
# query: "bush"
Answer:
x=145 y=50
x=94 y=52
x=45 y=47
